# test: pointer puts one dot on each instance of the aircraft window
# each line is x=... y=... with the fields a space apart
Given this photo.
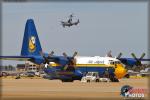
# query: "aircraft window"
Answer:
x=112 y=63
x=117 y=62
x=30 y=68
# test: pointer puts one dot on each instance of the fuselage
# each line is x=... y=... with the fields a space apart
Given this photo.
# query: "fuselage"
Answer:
x=97 y=64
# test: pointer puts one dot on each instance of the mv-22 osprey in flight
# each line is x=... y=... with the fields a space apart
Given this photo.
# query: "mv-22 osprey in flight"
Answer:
x=69 y=22
x=66 y=68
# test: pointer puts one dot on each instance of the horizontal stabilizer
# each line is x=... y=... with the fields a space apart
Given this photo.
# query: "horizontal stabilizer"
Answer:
x=17 y=58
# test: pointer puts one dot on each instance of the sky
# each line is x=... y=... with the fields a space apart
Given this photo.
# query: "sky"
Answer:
x=104 y=26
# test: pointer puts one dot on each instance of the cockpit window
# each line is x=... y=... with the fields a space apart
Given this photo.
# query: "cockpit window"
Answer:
x=112 y=62
x=116 y=62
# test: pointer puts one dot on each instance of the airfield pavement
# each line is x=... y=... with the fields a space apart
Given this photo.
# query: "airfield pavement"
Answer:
x=43 y=89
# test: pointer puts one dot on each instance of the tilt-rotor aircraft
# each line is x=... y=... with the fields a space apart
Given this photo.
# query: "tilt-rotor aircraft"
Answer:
x=65 y=68
x=69 y=22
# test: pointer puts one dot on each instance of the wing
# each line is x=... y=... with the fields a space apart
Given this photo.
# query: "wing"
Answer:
x=18 y=58
x=123 y=59
x=145 y=59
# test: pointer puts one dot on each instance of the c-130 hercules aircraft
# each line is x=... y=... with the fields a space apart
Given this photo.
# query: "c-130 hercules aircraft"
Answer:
x=66 y=68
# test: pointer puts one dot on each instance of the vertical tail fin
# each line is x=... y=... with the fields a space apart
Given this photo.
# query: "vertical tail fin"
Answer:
x=31 y=44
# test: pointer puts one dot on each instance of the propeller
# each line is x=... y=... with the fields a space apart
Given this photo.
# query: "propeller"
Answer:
x=110 y=55
x=138 y=61
x=71 y=61
x=119 y=55
x=46 y=60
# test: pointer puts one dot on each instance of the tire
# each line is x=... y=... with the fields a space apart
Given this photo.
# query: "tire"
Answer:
x=116 y=80
x=127 y=76
x=68 y=80
x=88 y=81
x=97 y=80
x=113 y=79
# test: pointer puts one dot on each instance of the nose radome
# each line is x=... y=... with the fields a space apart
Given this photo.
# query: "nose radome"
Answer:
x=120 y=71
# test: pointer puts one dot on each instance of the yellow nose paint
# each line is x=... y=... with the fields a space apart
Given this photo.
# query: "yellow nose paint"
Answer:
x=120 y=71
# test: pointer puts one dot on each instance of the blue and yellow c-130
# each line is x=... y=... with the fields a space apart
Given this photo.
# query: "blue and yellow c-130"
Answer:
x=65 y=68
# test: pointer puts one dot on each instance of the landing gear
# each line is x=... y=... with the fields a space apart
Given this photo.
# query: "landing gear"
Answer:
x=113 y=78
x=88 y=81
x=127 y=76
x=67 y=80
x=97 y=80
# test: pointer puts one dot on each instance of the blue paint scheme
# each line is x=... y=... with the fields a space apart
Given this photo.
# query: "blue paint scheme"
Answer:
x=101 y=70
x=131 y=61
x=78 y=73
x=30 y=30
x=54 y=73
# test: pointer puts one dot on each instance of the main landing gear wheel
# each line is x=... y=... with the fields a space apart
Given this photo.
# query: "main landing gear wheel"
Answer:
x=67 y=80
x=97 y=80
x=113 y=79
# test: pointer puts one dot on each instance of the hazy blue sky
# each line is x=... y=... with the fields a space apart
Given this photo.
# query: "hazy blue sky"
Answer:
x=120 y=27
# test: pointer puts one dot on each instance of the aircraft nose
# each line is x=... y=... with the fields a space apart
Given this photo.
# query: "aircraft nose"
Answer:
x=120 y=71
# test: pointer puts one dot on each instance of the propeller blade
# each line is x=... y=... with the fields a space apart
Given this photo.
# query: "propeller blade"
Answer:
x=133 y=55
x=142 y=56
x=49 y=55
x=65 y=67
x=119 y=55
x=45 y=59
x=65 y=55
x=73 y=61
x=109 y=54
x=71 y=15
x=75 y=53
